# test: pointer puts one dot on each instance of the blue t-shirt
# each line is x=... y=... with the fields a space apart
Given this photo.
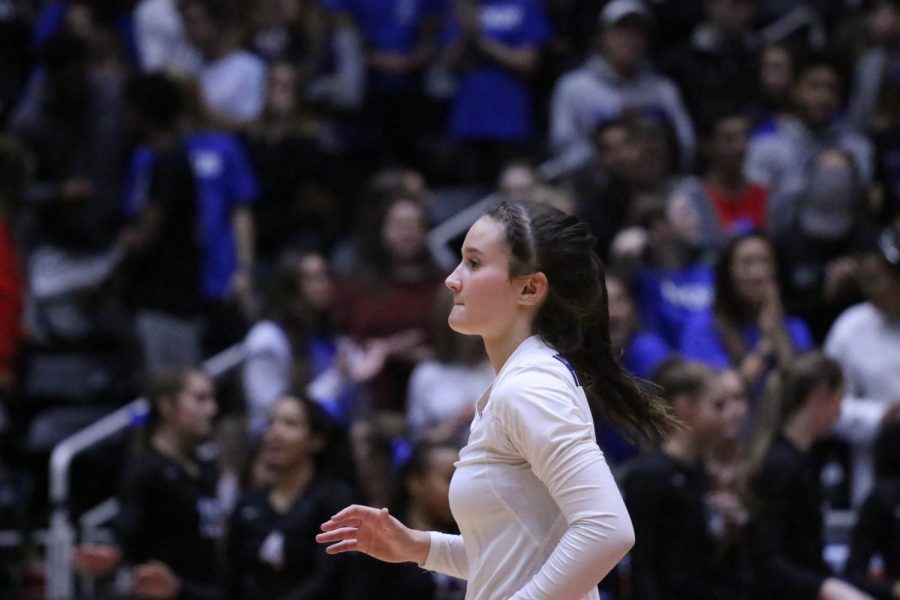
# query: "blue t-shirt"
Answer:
x=702 y=341
x=491 y=102
x=644 y=353
x=667 y=299
x=225 y=180
x=389 y=26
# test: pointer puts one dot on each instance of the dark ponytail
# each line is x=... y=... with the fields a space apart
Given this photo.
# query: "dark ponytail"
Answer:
x=574 y=318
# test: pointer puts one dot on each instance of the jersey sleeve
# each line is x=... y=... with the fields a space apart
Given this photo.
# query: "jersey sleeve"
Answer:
x=537 y=407
x=447 y=555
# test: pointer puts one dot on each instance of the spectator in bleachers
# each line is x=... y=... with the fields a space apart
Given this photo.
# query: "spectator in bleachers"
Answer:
x=614 y=81
x=442 y=392
x=422 y=491
x=740 y=204
x=398 y=42
x=876 y=82
x=716 y=68
x=785 y=528
x=779 y=158
x=865 y=340
x=386 y=301
x=819 y=234
x=160 y=39
x=71 y=117
x=671 y=281
x=271 y=539
x=675 y=556
x=290 y=31
x=747 y=328
x=13 y=175
x=294 y=346
x=494 y=46
x=170 y=523
x=190 y=239
x=287 y=147
x=233 y=81
x=875 y=550
x=777 y=72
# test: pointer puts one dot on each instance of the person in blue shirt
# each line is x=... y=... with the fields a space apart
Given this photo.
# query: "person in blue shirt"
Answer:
x=494 y=46
x=189 y=243
x=747 y=327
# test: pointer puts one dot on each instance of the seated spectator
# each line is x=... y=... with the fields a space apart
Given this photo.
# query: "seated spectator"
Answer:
x=640 y=351
x=874 y=561
x=423 y=502
x=189 y=241
x=785 y=527
x=671 y=281
x=778 y=159
x=614 y=80
x=494 y=47
x=865 y=340
x=295 y=346
x=170 y=523
x=443 y=391
x=819 y=235
x=777 y=72
x=233 y=81
x=740 y=205
x=160 y=39
x=676 y=554
x=385 y=304
x=746 y=328
x=271 y=540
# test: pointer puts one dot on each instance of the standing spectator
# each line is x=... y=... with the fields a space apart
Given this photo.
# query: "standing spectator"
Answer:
x=160 y=39
x=71 y=118
x=385 y=304
x=785 y=528
x=399 y=42
x=614 y=81
x=494 y=45
x=190 y=240
x=287 y=147
x=675 y=554
x=746 y=328
x=715 y=68
x=877 y=532
x=170 y=523
x=233 y=81
x=876 y=87
x=271 y=539
x=740 y=205
x=442 y=392
x=865 y=340
x=779 y=159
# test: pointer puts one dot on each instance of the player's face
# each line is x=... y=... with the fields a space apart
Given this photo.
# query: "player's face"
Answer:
x=484 y=295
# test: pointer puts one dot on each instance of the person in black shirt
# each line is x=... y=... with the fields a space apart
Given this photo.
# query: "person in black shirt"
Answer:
x=271 y=547
x=170 y=522
x=675 y=554
x=877 y=531
x=784 y=533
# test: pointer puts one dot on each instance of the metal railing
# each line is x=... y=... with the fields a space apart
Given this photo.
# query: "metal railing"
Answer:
x=60 y=576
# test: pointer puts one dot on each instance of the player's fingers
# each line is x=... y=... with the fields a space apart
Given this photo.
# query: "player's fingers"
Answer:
x=338 y=534
x=344 y=546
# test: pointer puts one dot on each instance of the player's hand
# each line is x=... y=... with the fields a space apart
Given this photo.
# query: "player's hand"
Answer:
x=376 y=533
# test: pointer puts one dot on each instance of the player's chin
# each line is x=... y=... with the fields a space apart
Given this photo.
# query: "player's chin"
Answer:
x=458 y=322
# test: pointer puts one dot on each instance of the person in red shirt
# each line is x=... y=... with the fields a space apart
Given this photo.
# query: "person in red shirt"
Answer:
x=12 y=173
x=740 y=204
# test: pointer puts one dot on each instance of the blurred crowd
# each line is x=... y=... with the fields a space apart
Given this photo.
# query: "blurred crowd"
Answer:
x=295 y=176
